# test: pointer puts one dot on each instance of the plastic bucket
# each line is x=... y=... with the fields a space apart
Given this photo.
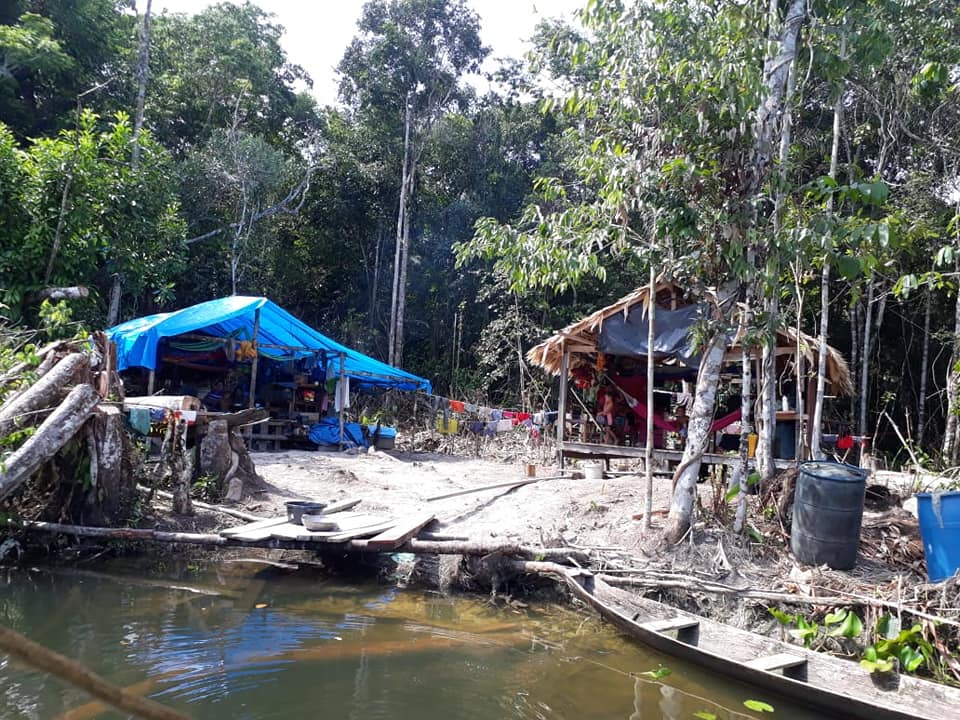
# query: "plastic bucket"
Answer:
x=939 y=515
x=593 y=471
x=827 y=513
x=296 y=509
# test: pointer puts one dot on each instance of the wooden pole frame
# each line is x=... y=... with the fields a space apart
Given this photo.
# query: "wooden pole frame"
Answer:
x=342 y=393
x=562 y=400
x=255 y=364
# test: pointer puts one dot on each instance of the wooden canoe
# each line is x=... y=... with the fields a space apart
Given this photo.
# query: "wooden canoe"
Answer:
x=835 y=686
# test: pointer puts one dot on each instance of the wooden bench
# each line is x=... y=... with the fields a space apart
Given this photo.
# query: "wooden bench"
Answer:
x=687 y=628
x=792 y=666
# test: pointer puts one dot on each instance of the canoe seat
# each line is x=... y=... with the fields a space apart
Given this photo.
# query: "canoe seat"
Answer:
x=794 y=666
x=688 y=629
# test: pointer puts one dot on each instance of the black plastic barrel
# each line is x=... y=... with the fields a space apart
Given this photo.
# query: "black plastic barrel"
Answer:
x=827 y=512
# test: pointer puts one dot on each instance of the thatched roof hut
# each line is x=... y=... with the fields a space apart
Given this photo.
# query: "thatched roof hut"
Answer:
x=582 y=337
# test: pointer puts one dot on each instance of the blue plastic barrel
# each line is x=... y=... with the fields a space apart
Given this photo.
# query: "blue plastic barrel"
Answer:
x=939 y=515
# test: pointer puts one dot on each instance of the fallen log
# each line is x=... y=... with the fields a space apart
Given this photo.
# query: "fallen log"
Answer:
x=64 y=668
x=59 y=427
x=167 y=402
x=76 y=292
x=206 y=506
x=43 y=394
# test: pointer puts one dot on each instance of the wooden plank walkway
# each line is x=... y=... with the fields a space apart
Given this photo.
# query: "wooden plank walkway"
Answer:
x=335 y=525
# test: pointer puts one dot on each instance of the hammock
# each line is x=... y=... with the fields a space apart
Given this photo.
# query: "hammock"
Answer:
x=640 y=410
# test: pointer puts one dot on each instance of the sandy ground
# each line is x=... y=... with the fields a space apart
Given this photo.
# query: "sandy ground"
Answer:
x=549 y=512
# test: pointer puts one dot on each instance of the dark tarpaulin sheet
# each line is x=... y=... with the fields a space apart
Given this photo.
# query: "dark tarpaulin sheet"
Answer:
x=672 y=338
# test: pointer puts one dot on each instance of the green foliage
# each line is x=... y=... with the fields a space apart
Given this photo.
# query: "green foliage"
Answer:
x=758 y=706
x=843 y=623
x=115 y=219
x=909 y=648
x=658 y=674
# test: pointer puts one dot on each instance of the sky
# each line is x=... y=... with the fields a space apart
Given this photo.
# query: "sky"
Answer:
x=318 y=31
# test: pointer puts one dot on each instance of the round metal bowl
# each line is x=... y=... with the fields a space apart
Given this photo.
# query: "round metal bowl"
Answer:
x=296 y=509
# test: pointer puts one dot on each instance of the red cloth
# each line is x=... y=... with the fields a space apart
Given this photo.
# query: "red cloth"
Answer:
x=844 y=442
x=456 y=406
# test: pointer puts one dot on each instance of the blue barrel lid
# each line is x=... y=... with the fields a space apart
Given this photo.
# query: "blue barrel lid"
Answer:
x=838 y=472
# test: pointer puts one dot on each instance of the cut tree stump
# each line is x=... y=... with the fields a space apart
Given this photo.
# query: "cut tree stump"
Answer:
x=114 y=483
x=55 y=432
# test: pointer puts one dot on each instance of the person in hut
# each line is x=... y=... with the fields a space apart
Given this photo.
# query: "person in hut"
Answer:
x=607 y=414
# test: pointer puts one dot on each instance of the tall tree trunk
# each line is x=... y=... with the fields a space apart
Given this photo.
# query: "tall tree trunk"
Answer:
x=143 y=72
x=398 y=258
x=746 y=404
x=950 y=444
x=375 y=287
x=698 y=434
x=768 y=372
x=865 y=359
x=924 y=366
x=855 y=343
x=404 y=264
x=648 y=448
x=816 y=428
x=777 y=64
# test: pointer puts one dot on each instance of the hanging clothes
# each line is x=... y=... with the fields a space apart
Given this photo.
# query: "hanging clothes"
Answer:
x=456 y=406
x=341 y=395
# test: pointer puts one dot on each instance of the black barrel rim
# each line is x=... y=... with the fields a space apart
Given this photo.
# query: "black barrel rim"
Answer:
x=857 y=474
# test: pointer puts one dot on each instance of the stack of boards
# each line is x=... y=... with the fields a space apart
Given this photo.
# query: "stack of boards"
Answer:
x=336 y=525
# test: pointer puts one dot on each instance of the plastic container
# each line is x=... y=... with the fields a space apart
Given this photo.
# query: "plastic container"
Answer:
x=785 y=440
x=296 y=509
x=593 y=471
x=827 y=513
x=939 y=515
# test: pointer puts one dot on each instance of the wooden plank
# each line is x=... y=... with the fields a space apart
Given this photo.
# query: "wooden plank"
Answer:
x=777 y=661
x=341 y=505
x=372 y=525
x=250 y=527
x=245 y=534
x=677 y=623
x=403 y=530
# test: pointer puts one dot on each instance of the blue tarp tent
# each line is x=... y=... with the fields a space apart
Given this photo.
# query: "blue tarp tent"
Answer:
x=280 y=337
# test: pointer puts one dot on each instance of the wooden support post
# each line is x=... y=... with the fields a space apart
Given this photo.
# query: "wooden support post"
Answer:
x=562 y=402
x=341 y=392
x=254 y=366
x=151 y=379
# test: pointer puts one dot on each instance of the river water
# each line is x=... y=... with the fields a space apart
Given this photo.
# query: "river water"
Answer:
x=240 y=642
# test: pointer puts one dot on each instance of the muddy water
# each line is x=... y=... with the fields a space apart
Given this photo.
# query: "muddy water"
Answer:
x=239 y=641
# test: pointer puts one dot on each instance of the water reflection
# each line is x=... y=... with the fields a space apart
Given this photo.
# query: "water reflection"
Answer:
x=236 y=642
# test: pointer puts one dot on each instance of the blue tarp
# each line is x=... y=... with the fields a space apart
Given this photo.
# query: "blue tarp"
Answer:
x=138 y=340
x=327 y=432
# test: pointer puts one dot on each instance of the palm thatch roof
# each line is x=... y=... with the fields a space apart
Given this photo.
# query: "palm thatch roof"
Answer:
x=580 y=338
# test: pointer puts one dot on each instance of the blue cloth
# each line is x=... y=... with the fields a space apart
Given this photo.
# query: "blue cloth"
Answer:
x=138 y=340
x=140 y=420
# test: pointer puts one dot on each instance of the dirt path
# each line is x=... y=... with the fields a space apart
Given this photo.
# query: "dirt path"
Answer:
x=577 y=511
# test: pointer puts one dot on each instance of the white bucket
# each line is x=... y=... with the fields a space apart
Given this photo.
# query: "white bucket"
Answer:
x=593 y=471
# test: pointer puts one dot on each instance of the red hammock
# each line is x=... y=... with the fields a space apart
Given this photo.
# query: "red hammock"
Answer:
x=640 y=410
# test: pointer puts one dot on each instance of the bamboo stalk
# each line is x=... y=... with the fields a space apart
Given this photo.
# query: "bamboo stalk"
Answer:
x=72 y=672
